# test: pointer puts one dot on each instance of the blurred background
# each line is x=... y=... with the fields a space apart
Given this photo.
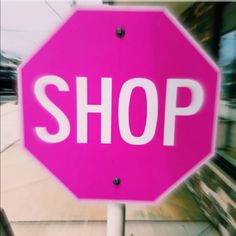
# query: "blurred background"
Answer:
x=35 y=204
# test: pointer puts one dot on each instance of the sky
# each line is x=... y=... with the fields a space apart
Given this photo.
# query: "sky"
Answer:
x=25 y=25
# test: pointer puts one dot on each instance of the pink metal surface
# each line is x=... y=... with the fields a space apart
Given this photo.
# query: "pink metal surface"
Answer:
x=154 y=47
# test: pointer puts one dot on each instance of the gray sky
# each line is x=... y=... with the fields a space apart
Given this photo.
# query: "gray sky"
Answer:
x=26 y=24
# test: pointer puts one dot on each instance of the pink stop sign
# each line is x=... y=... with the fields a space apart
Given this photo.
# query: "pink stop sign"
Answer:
x=120 y=104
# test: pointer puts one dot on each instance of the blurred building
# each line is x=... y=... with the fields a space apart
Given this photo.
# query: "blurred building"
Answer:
x=8 y=73
x=214 y=26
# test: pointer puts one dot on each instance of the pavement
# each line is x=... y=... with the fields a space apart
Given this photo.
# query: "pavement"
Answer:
x=37 y=204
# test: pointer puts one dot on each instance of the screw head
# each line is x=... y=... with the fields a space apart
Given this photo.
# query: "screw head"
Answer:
x=116 y=181
x=120 y=32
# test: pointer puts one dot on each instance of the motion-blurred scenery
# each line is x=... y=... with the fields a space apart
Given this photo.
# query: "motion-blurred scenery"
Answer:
x=35 y=204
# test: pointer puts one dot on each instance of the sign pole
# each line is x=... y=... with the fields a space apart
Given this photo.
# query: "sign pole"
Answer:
x=116 y=219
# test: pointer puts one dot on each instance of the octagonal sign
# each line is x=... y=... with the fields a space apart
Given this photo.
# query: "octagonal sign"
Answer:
x=120 y=104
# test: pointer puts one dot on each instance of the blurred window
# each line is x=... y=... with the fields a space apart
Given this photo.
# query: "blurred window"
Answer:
x=227 y=62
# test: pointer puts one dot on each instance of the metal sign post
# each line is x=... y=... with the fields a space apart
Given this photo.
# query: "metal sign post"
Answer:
x=116 y=219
